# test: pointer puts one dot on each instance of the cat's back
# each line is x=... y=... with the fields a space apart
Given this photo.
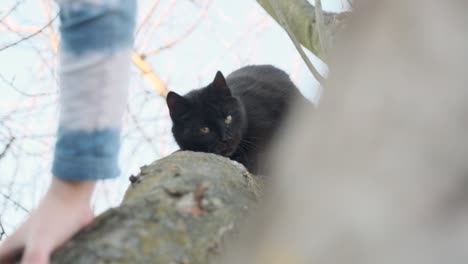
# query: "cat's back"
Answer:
x=267 y=95
x=260 y=79
x=259 y=72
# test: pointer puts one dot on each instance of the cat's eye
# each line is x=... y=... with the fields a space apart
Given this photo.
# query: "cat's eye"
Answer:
x=205 y=130
x=228 y=119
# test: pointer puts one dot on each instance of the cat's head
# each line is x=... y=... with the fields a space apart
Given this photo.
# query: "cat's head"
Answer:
x=207 y=120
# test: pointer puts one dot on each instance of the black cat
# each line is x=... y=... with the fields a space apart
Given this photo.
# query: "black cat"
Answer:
x=236 y=117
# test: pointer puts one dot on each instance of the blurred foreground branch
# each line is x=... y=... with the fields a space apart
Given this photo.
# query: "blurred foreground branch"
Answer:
x=377 y=173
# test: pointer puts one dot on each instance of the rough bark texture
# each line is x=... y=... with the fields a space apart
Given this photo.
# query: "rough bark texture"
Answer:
x=177 y=210
x=300 y=16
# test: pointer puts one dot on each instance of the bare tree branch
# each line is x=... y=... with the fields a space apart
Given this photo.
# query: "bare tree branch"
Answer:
x=187 y=33
x=147 y=71
x=300 y=16
x=140 y=129
x=52 y=35
x=11 y=10
x=285 y=25
x=12 y=85
x=7 y=147
x=149 y=35
x=12 y=26
x=255 y=28
x=29 y=36
x=147 y=16
x=15 y=203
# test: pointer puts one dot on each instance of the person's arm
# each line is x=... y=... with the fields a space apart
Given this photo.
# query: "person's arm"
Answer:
x=96 y=41
x=94 y=74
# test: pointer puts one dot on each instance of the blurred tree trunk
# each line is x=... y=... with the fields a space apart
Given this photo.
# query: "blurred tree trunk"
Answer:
x=177 y=210
x=378 y=172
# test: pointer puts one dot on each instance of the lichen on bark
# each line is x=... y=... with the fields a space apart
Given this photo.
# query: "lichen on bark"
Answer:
x=179 y=209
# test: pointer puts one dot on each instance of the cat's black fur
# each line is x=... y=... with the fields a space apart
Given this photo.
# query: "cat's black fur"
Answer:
x=256 y=97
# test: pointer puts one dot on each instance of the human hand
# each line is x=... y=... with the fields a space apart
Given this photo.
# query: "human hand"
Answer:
x=63 y=211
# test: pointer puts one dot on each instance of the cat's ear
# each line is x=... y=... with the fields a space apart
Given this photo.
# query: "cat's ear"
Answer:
x=177 y=105
x=220 y=85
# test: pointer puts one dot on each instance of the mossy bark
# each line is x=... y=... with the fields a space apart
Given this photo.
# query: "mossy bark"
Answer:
x=177 y=210
x=301 y=19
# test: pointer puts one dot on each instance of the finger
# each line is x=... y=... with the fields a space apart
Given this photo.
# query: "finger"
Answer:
x=12 y=246
x=36 y=255
x=12 y=257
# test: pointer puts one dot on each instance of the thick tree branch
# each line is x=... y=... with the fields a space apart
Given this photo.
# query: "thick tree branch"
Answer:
x=180 y=209
x=285 y=25
x=323 y=36
x=301 y=18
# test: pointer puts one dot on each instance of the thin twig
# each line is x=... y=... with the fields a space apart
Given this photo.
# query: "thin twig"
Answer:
x=139 y=127
x=30 y=35
x=7 y=147
x=186 y=34
x=12 y=85
x=285 y=25
x=147 y=16
x=12 y=9
x=14 y=202
x=240 y=38
x=19 y=28
x=149 y=35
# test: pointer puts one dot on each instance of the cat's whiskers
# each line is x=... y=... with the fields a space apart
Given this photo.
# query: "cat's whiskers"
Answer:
x=248 y=145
